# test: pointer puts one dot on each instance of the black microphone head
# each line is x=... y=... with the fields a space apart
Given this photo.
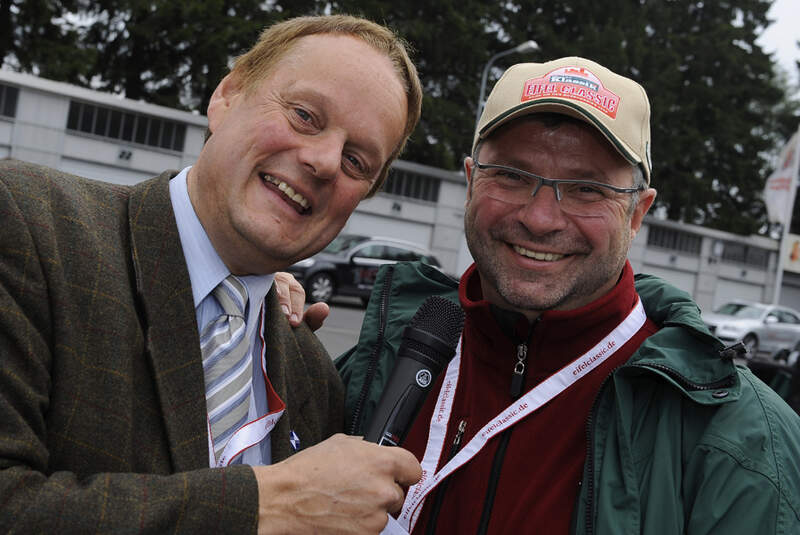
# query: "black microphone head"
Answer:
x=434 y=331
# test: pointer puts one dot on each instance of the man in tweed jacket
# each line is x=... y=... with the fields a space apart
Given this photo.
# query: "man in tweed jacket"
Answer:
x=103 y=418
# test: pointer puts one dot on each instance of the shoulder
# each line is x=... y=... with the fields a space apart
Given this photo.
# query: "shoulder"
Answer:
x=38 y=190
x=752 y=446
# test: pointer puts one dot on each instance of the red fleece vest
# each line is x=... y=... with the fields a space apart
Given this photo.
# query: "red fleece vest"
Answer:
x=543 y=464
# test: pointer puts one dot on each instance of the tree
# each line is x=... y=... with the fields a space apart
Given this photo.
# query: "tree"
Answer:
x=175 y=53
x=35 y=37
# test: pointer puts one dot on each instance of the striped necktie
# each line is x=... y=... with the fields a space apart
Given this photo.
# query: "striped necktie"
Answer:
x=227 y=364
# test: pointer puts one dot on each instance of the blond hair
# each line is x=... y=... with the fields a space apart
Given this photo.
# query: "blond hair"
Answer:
x=275 y=41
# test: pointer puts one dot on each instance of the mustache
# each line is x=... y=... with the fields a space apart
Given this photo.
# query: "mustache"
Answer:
x=554 y=241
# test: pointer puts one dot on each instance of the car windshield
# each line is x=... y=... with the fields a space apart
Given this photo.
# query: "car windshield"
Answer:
x=343 y=242
x=740 y=310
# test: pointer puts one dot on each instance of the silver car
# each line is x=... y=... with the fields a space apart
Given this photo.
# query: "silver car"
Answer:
x=762 y=328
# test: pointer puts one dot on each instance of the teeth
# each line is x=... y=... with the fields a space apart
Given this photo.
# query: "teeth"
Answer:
x=547 y=257
x=287 y=189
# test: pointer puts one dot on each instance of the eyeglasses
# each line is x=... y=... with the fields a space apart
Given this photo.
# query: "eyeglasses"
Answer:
x=585 y=198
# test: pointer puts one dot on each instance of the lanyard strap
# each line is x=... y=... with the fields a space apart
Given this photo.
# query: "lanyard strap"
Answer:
x=514 y=413
x=254 y=431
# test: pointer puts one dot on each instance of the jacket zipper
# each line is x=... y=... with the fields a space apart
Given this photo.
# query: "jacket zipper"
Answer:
x=372 y=365
x=686 y=383
x=437 y=504
x=517 y=384
x=590 y=455
x=683 y=381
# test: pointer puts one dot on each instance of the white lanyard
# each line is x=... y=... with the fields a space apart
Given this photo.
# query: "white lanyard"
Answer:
x=519 y=409
x=256 y=430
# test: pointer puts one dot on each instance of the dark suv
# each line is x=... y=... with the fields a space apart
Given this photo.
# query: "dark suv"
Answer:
x=349 y=264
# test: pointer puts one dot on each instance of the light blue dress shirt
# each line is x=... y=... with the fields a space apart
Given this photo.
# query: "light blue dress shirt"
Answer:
x=206 y=271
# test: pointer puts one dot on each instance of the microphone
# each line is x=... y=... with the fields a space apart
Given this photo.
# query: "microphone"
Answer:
x=428 y=344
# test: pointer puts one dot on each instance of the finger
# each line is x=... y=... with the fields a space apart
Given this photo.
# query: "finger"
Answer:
x=407 y=470
x=397 y=504
x=297 y=298
x=316 y=315
x=282 y=282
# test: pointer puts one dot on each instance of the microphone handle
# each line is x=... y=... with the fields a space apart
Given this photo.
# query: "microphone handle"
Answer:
x=400 y=402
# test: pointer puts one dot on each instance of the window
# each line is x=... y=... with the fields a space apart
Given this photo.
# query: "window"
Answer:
x=412 y=185
x=676 y=240
x=371 y=251
x=132 y=127
x=8 y=100
x=745 y=254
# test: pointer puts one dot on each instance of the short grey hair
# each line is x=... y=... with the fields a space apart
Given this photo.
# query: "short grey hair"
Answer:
x=638 y=182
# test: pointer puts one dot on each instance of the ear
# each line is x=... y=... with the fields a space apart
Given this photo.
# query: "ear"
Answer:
x=469 y=167
x=223 y=100
x=646 y=199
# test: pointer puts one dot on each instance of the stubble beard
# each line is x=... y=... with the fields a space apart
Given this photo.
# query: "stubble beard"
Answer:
x=525 y=290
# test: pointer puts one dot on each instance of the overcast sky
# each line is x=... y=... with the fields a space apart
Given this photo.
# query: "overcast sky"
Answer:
x=782 y=35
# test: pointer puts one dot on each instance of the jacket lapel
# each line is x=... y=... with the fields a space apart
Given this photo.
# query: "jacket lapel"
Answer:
x=287 y=373
x=164 y=290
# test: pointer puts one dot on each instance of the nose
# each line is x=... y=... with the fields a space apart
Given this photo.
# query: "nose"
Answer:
x=542 y=213
x=322 y=155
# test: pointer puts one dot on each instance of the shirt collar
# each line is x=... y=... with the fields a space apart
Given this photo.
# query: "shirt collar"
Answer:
x=206 y=268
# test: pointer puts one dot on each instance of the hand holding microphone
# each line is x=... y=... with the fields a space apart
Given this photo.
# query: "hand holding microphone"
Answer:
x=347 y=485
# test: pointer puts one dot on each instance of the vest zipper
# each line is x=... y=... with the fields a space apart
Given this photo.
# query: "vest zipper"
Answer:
x=437 y=504
x=518 y=379
x=372 y=366
x=517 y=384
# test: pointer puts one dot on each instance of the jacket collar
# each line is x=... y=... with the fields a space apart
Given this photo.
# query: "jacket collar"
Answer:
x=165 y=295
x=683 y=350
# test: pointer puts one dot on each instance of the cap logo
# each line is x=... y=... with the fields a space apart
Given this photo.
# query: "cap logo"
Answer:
x=574 y=83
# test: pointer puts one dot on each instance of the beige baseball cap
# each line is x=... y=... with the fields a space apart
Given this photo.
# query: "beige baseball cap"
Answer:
x=615 y=105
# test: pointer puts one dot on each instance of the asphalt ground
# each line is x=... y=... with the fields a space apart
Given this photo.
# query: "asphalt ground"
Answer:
x=340 y=331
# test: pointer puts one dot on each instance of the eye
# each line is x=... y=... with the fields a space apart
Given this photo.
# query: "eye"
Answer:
x=586 y=192
x=509 y=174
x=354 y=167
x=303 y=115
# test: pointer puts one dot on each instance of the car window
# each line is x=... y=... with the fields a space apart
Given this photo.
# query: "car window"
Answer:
x=342 y=242
x=784 y=316
x=740 y=310
x=371 y=251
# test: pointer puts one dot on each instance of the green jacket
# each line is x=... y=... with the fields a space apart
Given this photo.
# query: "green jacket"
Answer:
x=681 y=440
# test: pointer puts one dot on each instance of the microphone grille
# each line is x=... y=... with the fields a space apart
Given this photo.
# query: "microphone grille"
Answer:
x=440 y=317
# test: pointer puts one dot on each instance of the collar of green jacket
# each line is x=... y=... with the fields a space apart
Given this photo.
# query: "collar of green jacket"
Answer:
x=683 y=351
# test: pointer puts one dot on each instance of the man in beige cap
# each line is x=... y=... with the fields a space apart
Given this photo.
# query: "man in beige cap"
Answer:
x=581 y=399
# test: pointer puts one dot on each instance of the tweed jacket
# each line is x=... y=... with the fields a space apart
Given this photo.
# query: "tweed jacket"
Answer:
x=103 y=422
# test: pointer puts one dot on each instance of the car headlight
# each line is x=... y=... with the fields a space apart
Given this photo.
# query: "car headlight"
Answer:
x=307 y=263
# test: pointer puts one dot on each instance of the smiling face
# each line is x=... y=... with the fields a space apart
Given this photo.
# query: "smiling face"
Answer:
x=534 y=257
x=289 y=160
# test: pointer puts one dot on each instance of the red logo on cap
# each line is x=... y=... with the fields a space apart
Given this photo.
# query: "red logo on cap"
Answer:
x=574 y=83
